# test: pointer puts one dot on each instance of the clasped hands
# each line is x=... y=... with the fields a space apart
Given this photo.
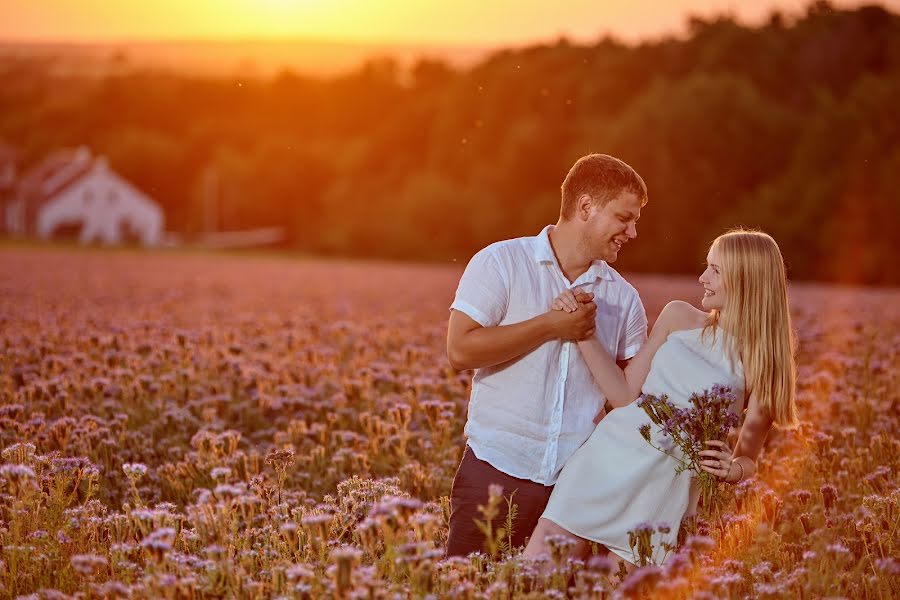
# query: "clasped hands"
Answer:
x=573 y=315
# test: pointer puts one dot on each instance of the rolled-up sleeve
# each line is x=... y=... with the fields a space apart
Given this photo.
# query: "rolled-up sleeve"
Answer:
x=483 y=293
x=634 y=333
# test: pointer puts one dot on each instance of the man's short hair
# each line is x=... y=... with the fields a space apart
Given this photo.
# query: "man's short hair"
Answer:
x=601 y=176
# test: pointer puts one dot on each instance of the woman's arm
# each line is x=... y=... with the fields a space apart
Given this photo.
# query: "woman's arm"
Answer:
x=741 y=463
x=752 y=437
x=622 y=387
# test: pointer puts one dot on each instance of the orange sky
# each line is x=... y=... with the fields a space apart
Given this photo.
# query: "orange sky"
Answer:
x=453 y=21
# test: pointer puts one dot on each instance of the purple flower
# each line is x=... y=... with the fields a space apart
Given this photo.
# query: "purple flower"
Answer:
x=16 y=472
x=87 y=564
x=801 y=496
x=769 y=590
x=806 y=522
x=645 y=431
x=641 y=581
x=699 y=544
x=114 y=589
x=728 y=581
x=643 y=528
x=762 y=571
x=889 y=566
x=829 y=495
x=134 y=470
x=678 y=564
x=600 y=564
x=670 y=426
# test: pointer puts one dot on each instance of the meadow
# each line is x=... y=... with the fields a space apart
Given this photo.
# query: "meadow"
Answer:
x=190 y=425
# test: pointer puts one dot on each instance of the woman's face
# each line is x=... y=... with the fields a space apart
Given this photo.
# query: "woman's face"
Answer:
x=713 y=283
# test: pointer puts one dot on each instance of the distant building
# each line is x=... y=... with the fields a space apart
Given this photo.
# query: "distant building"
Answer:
x=75 y=194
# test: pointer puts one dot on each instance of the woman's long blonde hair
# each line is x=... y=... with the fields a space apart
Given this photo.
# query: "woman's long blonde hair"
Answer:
x=756 y=314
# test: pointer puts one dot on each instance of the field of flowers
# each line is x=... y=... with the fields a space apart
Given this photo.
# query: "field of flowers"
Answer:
x=184 y=425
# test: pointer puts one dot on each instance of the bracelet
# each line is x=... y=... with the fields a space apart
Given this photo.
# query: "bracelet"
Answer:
x=738 y=463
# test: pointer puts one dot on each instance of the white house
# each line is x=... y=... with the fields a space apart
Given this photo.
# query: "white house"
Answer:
x=74 y=192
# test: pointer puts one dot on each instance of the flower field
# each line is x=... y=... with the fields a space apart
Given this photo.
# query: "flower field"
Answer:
x=185 y=425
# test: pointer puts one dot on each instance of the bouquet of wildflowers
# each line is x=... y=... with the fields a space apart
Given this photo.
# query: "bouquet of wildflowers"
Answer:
x=707 y=419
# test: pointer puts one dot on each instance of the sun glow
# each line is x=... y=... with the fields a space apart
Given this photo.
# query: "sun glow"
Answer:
x=432 y=21
x=283 y=8
x=269 y=18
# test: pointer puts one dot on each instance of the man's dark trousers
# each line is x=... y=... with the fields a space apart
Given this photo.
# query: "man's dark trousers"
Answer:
x=470 y=489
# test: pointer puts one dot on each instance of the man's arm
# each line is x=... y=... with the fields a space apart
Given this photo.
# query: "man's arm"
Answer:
x=471 y=346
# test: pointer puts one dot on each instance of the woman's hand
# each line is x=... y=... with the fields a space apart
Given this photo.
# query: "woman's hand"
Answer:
x=720 y=462
x=569 y=300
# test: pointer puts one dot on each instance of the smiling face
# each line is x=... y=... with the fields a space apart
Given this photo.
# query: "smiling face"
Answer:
x=609 y=227
x=713 y=282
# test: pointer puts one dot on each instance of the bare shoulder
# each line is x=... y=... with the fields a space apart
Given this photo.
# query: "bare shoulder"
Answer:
x=678 y=315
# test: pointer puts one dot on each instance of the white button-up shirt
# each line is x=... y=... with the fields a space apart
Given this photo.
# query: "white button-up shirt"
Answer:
x=528 y=416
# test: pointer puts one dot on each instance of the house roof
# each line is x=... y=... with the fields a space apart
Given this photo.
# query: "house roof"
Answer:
x=57 y=171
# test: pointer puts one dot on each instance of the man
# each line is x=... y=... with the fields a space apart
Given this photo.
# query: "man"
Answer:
x=533 y=400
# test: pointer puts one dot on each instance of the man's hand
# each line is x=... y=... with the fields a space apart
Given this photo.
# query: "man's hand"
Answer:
x=578 y=324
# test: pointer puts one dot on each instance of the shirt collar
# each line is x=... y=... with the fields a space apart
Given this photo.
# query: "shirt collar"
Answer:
x=543 y=253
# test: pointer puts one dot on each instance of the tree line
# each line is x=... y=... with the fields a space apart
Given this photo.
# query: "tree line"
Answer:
x=790 y=126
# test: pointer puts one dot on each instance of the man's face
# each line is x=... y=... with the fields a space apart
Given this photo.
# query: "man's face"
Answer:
x=611 y=226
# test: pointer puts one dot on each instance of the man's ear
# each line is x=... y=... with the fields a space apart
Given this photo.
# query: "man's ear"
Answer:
x=583 y=206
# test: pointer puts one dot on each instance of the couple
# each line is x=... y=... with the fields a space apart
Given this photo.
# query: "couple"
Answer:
x=554 y=334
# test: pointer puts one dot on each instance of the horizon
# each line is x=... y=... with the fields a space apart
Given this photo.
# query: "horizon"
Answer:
x=275 y=22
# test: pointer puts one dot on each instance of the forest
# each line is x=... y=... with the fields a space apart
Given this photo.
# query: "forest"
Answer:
x=789 y=126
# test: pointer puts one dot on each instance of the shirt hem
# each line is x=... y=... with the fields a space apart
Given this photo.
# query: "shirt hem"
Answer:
x=505 y=471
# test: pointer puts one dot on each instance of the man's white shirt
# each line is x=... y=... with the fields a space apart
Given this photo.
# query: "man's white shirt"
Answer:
x=527 y=416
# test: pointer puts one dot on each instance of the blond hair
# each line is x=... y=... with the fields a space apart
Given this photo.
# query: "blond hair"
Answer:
x=756 y=314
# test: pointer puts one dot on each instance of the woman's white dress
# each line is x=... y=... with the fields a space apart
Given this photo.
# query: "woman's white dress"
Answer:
x=616 y=480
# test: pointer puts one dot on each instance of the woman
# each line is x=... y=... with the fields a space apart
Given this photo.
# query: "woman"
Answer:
x=616 y=480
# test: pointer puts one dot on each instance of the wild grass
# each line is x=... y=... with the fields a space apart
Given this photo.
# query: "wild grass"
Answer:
x=191 y=426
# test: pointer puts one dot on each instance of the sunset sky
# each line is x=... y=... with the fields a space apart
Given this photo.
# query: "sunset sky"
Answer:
x=443 y=21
